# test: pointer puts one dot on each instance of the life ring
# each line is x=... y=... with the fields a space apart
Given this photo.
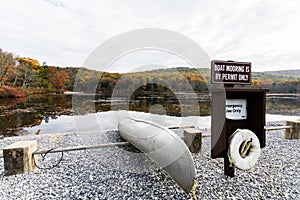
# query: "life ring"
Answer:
x=244 y=149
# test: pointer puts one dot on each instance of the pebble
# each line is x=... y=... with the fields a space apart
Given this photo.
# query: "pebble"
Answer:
x=125 y=173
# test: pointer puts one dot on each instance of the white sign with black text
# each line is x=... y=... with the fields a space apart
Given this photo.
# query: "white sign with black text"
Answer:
x=236 y=109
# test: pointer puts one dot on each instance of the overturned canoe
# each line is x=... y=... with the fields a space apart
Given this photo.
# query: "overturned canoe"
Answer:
x=163 y=146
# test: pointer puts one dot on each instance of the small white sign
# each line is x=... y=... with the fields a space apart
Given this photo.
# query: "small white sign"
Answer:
x=236 y=109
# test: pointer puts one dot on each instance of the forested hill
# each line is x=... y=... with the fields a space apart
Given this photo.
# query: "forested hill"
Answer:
x=283 y=81
x=294 y=72
x=19 y=75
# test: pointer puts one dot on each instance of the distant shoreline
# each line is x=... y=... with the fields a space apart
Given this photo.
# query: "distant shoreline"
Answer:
x=70 y=92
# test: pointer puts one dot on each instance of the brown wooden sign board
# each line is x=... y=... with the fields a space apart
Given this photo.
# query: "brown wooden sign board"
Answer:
x=230 y=72
x=222 y=127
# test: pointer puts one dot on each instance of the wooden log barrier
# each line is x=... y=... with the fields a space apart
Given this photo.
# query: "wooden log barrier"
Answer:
x=18 y=158
x=193 y=139
x=293 y=133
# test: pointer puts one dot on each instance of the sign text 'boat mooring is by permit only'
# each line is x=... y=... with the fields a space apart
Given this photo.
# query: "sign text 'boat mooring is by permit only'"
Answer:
x=229 y=72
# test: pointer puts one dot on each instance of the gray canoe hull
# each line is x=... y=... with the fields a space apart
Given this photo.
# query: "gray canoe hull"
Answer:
x=163 y=146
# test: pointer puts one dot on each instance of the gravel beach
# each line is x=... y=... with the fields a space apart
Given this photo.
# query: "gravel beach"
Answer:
x=125 y=173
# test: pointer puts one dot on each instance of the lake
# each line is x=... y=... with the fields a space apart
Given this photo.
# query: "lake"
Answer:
x=44 y=114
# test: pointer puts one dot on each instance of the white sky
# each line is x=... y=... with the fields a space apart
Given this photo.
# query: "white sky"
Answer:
x=64 y=33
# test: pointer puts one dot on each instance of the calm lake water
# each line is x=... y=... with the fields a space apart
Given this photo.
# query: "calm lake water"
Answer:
x=55 y=113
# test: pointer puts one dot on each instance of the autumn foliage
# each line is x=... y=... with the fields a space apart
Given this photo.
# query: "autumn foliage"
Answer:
x=29 y=74
x=19 y=75
x=6 y=91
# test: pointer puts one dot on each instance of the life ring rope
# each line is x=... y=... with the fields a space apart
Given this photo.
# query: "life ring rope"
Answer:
x=231 y=161
x=246 y=147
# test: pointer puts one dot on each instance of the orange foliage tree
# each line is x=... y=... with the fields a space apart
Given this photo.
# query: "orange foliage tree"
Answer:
x=57 y=78
x=7 y=62
x=30 y=69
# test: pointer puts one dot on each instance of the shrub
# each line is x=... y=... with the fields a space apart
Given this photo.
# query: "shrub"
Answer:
x=6 y=92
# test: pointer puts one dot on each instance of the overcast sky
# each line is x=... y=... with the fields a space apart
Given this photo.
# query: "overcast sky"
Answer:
x=64 y=33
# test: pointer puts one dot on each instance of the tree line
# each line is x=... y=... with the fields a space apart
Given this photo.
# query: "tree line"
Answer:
x=277 y=82
x=29 y=74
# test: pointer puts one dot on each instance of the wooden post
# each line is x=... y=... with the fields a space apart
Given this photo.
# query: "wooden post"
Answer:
x=293 y=133
x=18 y=158
x=228 y=169
x=193 y=139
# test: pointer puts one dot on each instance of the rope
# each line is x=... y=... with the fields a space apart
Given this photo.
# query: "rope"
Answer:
x=244 y=144
x=231 y=161
x=43 y=158
x=245 y=148
x=194 y=196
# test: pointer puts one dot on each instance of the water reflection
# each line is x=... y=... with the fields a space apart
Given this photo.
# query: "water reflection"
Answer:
x=18 y=115
x=286 y=105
